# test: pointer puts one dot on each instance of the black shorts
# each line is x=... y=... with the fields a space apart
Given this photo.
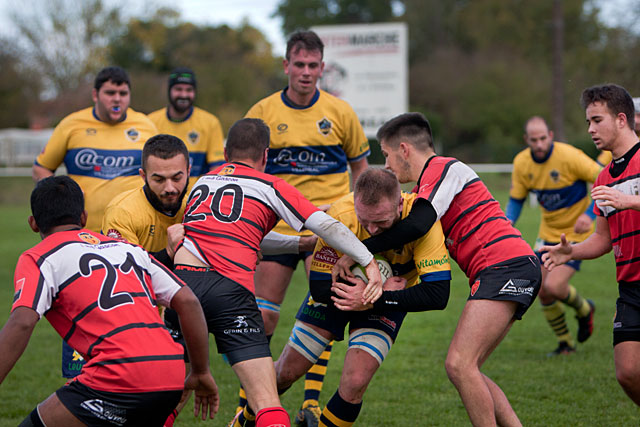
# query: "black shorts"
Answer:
x=517 y=279
x=288 y=260
x=626 y=324
x=231 y=313
x=333 y=320
x=102 y=408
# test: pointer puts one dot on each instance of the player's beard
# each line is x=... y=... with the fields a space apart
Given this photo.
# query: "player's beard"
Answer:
x=181 y=108
x=159 y=205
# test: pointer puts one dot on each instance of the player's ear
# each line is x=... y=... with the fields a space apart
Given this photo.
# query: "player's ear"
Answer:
x=404 y=149
x=83 y=218
x=226 y=155
x=32 y=223
x=94 y=95
x=142 y=174
x=551 y=135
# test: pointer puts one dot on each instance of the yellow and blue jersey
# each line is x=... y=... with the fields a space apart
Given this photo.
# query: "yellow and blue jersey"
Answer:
x=560 y=184
x=131 y=216
x=102 y=158
x=312 y=146
x=201 y=132
x=424 y=259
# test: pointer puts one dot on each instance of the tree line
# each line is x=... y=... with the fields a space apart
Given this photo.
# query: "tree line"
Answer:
x=477 y=70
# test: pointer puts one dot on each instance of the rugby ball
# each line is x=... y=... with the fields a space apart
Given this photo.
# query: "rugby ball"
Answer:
x=384 y=266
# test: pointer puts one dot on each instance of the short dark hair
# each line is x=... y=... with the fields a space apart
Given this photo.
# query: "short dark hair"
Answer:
x=116 y=74
x=375 y=184
x=615 y=97
x=56 y=200
x=413 y=127
x=247 y=138
x=307 y=40
x=535 y=118
x=163 y=146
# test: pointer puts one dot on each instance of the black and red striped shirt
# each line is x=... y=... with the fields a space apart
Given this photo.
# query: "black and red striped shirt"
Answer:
x=478 y=233
x=100 y=295
x=229 y=212
x=624 y=225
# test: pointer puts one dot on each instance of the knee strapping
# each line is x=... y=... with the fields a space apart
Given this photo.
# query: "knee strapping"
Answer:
x=374 y=341
x=264 y=304
x=307 y=341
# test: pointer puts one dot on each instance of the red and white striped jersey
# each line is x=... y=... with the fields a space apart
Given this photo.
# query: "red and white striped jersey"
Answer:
x=477 y=232
x=624 y=225
x=229 y=212
x=100 y=295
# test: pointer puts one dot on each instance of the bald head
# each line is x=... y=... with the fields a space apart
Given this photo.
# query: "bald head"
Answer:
x=538 y=137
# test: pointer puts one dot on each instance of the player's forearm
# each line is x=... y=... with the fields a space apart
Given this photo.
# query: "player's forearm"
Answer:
x=14 y=338
x=594 y=246
x=338 y=236
x=514 y=208
x=415 y=225
x=421 y=297
x=194 y=328
x=38 y=172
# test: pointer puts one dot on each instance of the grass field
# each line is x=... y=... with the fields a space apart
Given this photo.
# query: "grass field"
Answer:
x=411 y=388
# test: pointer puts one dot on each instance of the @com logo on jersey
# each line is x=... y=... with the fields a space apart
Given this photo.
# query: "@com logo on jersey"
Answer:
x=90 y=159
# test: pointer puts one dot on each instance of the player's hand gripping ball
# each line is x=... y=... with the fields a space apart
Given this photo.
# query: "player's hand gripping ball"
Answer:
x=383 y=265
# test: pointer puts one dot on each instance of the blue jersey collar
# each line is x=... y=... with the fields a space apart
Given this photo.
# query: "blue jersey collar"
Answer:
x=545 y=157
x=181 y=120
x=289 y=103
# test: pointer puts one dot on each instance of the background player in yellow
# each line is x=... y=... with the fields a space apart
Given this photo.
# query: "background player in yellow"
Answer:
x=314 y=138
x=200 y=130
x=420 y=282
x=101 y=146
x=557 y=173
x=148 y=215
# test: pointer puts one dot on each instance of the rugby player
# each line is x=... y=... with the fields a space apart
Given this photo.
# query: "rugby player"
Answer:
x=420 y=282
x=101 y=147
x=228 y=213
x=134 y=375
x=151 y=215
x=314 y=138
x=557 y=173
x=504 y=273
x=609 y=113
x=200 y=130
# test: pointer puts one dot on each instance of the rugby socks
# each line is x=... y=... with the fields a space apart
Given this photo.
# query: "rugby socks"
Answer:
x=246 y=419
x=242 y=400
x=580 y=304
x=554 y=313
x=314 y=378
x=339 y=412
x=275 y=416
